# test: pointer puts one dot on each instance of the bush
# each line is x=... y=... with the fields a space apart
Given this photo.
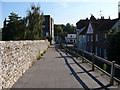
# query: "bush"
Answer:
x=44 y=38
x=39 y=56
x=49 y=38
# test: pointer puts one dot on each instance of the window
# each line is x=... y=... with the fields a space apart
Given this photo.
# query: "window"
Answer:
x=96 y=51
x=100 y=52
x=105 y=35
x=87 y=48
x=79 y=38
x=43 y=19
x=96 y=37
x=87 y=38
x=91 y=38
x=71 y=40
x=43 y=26
x=47 y=33
x=91 y=49
x=105 y=54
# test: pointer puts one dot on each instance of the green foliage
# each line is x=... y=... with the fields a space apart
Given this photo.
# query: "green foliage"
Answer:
x=49 y=38
x=104 y=67
x=39 y=56
x=63 y=35
x=34 y=29
x=63 y=30
x=44 y=38
x=30 y=27
x=14 y=29
x=114 y=46
x=44 y=52
x=61 y=45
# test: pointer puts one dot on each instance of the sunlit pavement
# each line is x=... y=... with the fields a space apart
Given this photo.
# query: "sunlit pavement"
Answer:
x=56 y=69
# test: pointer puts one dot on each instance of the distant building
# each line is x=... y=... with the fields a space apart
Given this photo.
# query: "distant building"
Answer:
x=92 y=34
x=71 y=38
x=48 y=26
x=82 y=27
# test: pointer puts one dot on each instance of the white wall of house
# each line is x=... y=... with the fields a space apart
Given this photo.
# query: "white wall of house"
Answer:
x=116 y=26
x=82 y=42
x=78 y=37
x=71 y=38
x=81 y=39
x=71 y=35
x=90 y=29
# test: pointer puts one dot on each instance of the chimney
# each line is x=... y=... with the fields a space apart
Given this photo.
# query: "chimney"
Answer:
x=109 y=17
x=102 y=17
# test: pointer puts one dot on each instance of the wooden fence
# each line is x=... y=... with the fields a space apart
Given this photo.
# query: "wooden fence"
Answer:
x=112 y=65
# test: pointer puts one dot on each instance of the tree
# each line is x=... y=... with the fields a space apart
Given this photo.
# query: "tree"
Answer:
x=59 y=29
x=49 y=39
x=114 y=45
x=63 y=30
x=29 y=27
x=14 y=29
x=35 y=21
x=68 y=28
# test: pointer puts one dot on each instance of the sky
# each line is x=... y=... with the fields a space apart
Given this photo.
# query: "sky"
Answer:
x=62 y=11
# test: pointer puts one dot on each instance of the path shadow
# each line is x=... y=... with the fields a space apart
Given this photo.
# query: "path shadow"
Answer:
x=73 y=72
x=94 y=78
x=85 y=71
x=81 y=72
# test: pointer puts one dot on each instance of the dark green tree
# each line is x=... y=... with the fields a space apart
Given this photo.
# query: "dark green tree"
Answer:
x=14 y=29
x=68 y=28
x=114 y=45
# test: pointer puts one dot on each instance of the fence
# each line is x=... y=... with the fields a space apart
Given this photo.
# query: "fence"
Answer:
x=109 y=68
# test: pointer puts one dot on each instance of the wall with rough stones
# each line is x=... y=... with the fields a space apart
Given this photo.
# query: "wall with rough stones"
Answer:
x=16 y=57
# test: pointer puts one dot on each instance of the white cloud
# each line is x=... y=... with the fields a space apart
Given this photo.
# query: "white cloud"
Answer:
x=63 y=4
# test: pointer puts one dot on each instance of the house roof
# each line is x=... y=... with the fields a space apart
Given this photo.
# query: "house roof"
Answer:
x=83 y=32
x=97 y=24
x=103 y=24
x=82 y=23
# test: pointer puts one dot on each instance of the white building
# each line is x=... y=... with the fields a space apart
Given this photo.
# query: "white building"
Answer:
x=81 y=38
x=71 y=38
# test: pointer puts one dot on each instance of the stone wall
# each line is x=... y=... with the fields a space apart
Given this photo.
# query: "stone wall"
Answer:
x=16 y=57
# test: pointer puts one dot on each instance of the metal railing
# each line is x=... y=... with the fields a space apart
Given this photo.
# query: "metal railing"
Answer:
x=98 y=62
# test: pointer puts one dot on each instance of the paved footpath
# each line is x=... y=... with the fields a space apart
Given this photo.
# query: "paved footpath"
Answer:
x=57 y=70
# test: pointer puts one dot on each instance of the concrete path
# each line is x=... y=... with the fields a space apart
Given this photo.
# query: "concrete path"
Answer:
x=58 y=70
